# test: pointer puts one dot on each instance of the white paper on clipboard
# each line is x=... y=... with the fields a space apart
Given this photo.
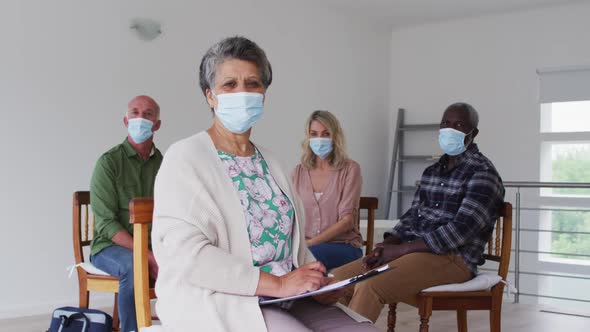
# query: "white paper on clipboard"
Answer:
x=270 y=300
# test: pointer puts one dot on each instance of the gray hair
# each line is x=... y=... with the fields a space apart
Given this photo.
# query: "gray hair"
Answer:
x=473 y=115
x=236 y=47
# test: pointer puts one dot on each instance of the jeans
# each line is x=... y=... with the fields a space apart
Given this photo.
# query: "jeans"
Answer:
x=118 y=262
x=333 y=255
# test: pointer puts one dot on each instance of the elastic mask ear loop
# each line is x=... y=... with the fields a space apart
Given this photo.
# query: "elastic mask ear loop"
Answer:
x=214 y=95
x=468 y=144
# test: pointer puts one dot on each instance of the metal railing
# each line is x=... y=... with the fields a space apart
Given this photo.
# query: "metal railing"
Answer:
x=518 y=185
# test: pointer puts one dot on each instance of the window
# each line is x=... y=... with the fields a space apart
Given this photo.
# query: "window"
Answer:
x=562 y=230
x=565 y=157
x=570 y=235
x=564 y=117
x=565 y=150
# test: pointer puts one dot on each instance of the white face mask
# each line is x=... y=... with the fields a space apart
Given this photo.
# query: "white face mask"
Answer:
x=239 y=111
x=321 y=146
x=139 y=129
x=452 y=141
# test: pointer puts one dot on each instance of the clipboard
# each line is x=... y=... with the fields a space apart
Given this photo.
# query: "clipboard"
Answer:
x=337 y=285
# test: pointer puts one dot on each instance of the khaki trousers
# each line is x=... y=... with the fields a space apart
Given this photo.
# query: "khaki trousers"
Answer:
x=409 y=275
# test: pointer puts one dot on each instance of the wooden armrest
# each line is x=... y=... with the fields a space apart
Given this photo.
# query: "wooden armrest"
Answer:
x=141 y=210
x=100 y=277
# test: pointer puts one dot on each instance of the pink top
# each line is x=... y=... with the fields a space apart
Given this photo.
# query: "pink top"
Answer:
x=340 y=197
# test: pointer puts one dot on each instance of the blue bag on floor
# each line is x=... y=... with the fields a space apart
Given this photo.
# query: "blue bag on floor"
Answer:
x=71 y=319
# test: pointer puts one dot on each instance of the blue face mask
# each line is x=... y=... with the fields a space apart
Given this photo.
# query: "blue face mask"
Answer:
x=239 y=111
x=139 y=129
x=322 y=147
x=452 y=141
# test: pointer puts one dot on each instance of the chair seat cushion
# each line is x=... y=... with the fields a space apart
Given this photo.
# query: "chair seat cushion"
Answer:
x=90 y=268
x=481 y=282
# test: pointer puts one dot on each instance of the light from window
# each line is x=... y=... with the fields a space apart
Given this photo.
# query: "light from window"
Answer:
x=570 y=163
x=565 y=117
x=565 y=147
x=565 y=162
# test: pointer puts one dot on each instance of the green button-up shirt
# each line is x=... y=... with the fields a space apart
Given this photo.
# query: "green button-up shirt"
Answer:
x=120 y=175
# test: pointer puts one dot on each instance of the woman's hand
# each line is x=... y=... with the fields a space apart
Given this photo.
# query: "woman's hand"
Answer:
x=332 y=297
x=306 y=278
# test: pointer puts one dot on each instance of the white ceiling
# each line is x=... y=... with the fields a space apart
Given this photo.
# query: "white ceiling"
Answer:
x=400 y=13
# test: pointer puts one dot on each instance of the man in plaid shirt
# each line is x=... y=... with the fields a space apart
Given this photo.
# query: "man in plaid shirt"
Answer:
x=441 y=238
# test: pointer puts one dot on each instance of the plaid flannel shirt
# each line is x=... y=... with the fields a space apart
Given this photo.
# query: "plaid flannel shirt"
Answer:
x=455 y=211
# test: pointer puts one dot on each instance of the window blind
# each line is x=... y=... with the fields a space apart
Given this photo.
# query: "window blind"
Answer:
x=564 y=84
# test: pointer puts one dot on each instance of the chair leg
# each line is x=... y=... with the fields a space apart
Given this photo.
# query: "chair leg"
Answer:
x=425 y=310
x=462 y=320
x=496 y=315
x=391 y=317
x=84 y=298
x=424 y=323
x=116 y=314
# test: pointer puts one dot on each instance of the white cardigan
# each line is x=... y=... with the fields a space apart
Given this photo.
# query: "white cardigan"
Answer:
x=206 y=280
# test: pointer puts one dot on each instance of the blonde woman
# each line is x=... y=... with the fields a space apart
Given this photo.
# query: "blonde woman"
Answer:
x=329 y=185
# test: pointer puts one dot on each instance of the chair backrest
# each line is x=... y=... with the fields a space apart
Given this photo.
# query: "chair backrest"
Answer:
x=500 y=242
x=370 y=204
x=82 y=224
x=141 y=211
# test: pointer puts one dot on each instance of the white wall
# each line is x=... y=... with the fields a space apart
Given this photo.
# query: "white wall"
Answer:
x=491 y=63
x=69 y=67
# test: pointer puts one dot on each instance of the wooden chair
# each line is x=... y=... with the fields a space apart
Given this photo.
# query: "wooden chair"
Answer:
x=370 y=204
x=141 y=212
x=83 y=228
x=498 y=250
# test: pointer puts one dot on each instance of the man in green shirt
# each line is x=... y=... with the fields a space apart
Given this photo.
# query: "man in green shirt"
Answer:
x=126 y=171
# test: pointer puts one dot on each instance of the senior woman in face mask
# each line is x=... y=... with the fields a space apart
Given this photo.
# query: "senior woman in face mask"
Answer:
x=228 y=226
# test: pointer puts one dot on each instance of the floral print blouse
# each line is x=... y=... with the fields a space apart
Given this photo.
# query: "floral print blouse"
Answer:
x=268 y=212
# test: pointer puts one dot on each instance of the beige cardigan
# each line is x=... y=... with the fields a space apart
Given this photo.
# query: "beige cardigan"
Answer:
x=206 y=280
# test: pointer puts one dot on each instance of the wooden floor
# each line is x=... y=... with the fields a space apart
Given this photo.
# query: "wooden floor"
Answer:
x=515 y=318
